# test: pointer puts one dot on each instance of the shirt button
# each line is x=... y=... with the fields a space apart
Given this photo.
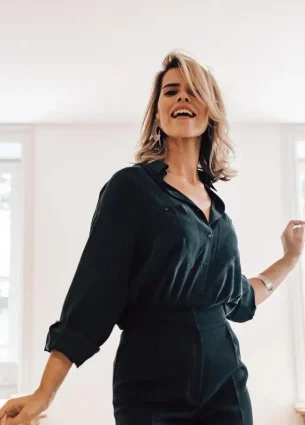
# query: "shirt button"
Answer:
x=209 y=235
x=166 y=208
x=205 y=263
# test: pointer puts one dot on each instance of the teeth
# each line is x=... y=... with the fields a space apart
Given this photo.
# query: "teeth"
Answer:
x=181 y=111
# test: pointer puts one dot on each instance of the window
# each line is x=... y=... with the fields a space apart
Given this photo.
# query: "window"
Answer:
x=300 y=162
x=10 y=267
x=293 y=189
x=300 y=186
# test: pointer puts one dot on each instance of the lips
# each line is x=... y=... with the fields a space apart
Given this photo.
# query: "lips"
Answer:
x=183 y=112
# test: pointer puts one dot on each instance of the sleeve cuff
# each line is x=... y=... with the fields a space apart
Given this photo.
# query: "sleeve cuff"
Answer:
x=245 y=309
x=70 y=342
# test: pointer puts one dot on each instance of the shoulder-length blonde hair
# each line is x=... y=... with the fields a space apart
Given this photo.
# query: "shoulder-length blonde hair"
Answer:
x=216 y=146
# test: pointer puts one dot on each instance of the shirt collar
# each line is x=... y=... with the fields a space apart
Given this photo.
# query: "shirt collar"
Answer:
x=160 y=167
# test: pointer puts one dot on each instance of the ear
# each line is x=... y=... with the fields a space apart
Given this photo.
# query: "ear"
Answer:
x=157 y=116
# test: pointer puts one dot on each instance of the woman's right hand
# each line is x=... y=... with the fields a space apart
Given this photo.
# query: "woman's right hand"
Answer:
x=18 y=411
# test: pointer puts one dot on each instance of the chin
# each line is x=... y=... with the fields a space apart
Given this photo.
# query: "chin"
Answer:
x=183 y=131
x=183 y=134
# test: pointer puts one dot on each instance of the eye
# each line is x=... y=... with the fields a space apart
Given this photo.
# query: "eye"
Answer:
x=191 y=92
x=170 y=93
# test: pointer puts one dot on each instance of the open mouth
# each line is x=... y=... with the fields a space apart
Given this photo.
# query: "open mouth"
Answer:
x=183 y=113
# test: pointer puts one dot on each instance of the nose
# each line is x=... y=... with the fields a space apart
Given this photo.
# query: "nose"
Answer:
x=183 y=98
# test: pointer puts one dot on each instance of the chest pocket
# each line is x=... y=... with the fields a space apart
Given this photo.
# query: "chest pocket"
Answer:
x=179 y=212
x=176 y=222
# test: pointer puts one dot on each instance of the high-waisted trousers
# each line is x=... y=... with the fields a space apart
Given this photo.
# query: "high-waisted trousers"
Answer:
x=180 y=367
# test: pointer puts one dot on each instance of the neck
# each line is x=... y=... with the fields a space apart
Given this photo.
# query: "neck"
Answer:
x=182 y=158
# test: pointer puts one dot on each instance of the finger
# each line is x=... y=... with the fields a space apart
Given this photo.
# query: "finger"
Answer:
x=299 y=233
x=3 y=420
x=296 y=222
x=3 y=411
x=292 y=224
x=299 y=228
x=23 y=417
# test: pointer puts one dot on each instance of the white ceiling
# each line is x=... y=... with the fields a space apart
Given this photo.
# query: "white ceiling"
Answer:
x=94 y=60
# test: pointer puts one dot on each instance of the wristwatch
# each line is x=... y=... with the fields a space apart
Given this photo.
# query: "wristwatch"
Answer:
x=267 y=282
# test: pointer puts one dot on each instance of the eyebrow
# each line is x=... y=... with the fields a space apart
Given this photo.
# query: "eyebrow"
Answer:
x=171 y=85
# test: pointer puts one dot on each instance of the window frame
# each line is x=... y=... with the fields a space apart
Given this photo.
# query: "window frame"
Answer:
x=13 y=166
x=25 y=135
x=290 y=134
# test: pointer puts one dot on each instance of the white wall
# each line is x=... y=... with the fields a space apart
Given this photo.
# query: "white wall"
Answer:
x=72 y=163
x=255 y=202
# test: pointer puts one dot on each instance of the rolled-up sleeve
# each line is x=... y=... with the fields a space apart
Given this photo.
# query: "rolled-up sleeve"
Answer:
x=99 y=290
x=242 y=308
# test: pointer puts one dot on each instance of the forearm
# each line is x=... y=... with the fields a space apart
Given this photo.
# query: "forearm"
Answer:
x=54 y=374
x=277 y=272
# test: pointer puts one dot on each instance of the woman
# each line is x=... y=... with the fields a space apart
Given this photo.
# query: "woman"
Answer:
x=162 y=262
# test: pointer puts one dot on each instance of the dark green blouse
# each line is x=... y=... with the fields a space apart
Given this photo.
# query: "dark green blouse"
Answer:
x=149 y=247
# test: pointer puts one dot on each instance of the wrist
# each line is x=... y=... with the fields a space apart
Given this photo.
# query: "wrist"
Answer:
x=290 y=261
x=46 y=394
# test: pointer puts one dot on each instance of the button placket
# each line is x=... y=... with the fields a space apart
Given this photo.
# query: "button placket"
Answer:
x=206 y=263
x=203 y=216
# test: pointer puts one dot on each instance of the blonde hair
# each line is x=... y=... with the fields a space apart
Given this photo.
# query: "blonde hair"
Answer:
x=216 y=145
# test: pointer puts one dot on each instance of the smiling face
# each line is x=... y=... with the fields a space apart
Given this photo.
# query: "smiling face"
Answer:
x=180 y=113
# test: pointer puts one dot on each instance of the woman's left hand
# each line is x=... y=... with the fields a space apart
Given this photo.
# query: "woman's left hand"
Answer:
x=293 y=239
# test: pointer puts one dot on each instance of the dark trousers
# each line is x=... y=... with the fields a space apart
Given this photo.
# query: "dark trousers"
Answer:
x=180 y=367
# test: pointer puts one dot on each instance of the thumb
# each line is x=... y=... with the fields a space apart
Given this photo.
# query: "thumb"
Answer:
x=299 y=231
x=20 y=419
x=293 y=223
x=291 y=226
